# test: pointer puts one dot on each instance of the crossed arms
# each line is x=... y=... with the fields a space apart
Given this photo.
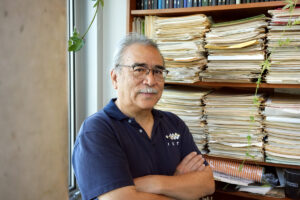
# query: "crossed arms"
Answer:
x=191 y=180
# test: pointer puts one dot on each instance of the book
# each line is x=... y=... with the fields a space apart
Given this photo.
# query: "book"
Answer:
x=205 y=3
x=171 y=3
x=195 y=3
x=163 y=4
x=155 y=4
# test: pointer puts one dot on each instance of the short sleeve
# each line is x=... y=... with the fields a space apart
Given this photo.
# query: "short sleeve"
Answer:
x=99 y=163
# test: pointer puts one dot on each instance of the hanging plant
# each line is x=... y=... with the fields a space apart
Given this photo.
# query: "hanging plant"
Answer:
x=76 y=42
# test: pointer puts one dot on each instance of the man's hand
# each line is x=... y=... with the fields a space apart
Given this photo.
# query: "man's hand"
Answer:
x=191 y=163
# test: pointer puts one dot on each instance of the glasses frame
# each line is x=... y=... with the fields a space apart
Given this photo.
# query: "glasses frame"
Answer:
x=162 y=68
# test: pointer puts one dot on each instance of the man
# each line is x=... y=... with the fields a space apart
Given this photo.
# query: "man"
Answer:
x=131 y=151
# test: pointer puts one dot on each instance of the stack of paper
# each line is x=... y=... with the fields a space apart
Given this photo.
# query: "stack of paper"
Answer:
x=138 y=25
x=283 y=46
x=180 y=40
x=187 y=104
x=235 y=50
x=282 y=125
x=234 y=125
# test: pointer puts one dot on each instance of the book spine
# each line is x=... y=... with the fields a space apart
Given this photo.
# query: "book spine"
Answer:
x=163 y=4
x=204 y=2
x=184 y=3
x=195 y=3
x=155 y=4
x=149 y=4
x=180 y=3
x=189 y=3
x=171 y=4
x=199 y=3
x=167 y=3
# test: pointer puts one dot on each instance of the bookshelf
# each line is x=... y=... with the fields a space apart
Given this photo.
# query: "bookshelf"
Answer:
x=221 y=13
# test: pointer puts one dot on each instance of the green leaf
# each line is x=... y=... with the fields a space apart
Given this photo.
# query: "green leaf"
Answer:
x=249 y=139
x=252 y=118
x=296 y=22
x=287 y=41
x=290 y=23
x=75 y=42
x=255 y=100
x=96 y=4
x=286 y=6
x=241 y=167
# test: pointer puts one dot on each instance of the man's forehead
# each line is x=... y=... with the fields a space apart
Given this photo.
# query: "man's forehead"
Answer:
x=142 y=53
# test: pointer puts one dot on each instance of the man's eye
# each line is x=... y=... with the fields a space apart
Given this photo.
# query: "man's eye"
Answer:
x=157 y=71
x=139 y=69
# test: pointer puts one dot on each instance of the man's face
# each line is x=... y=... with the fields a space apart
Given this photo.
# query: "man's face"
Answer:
x=134 y=93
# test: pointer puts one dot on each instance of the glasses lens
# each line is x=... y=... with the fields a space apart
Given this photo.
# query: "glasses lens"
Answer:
x=140 y=72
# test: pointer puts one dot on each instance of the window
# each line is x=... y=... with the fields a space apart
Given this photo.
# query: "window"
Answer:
x=89 y=69
x=84 y=72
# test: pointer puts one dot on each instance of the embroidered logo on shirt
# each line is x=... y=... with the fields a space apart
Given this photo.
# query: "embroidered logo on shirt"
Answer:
x=173 y=139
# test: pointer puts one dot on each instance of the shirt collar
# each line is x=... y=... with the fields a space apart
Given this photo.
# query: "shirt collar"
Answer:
x=113 y=111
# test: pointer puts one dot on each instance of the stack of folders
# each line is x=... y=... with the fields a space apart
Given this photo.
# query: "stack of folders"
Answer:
x=282 y=125
x=187 y=104
x=181 y=41
x=284 y=47
x=236 y=50
x=138 y=25
x=234 y=173
x=234 y=125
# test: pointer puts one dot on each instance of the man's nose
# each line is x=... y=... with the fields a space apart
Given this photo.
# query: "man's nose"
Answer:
x=150 y=78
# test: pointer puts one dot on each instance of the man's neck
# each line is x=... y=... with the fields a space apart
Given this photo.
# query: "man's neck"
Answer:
x=143 y=117
x=138 y=115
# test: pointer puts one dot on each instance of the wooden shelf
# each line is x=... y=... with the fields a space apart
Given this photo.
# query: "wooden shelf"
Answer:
x=236 y=85
x=255 y=162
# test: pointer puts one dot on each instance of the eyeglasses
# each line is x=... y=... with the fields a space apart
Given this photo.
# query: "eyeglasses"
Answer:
x=140 y=71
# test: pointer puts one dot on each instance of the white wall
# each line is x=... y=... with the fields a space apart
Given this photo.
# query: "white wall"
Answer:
x=94 y=88
x=114 y=22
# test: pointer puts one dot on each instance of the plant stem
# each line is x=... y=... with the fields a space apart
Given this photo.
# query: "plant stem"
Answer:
x=91 y=21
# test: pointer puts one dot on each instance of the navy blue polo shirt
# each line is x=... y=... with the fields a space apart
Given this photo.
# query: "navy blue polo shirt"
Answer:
x=112 y=149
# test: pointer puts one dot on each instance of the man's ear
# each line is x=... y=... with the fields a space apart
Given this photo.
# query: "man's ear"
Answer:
x=114 y=78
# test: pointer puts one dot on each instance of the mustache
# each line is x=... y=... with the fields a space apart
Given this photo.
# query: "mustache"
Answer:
x=148 y=90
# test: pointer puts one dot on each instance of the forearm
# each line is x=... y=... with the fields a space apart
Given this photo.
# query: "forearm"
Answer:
x=130 y=192
x=191 y=185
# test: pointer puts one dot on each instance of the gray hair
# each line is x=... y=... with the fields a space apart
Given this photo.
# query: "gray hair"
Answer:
x=130 y=39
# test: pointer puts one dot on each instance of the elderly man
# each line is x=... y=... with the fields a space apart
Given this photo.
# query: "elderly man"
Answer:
x=129 y=150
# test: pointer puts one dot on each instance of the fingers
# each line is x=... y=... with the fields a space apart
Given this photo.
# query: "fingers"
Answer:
x=188 y=158
x=201 y=168
x=192 y=162
x=198 y=164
